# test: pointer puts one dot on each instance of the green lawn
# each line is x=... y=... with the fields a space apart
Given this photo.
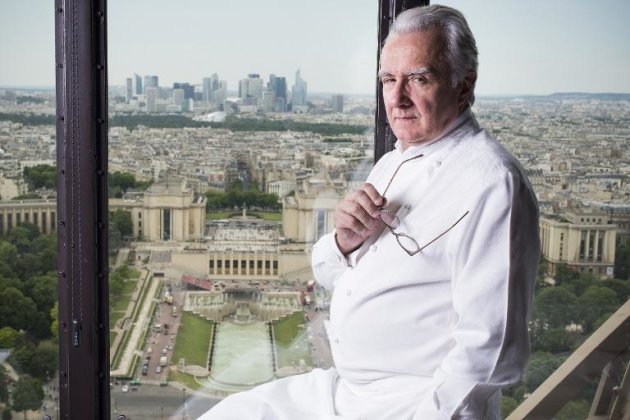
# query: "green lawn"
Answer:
x=118 y=306
x=217 y=215
x=193 y=340
x=292 y=344
x=286 y=329
x=183 y=378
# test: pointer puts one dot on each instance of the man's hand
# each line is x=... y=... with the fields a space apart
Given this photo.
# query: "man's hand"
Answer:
x=356 y=217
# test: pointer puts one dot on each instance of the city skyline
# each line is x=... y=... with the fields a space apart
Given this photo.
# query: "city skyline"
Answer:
x=537 y=53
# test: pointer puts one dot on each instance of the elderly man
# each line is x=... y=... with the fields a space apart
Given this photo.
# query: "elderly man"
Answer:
x=432 y=261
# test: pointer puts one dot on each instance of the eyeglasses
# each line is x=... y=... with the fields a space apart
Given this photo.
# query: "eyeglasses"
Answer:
x=389 y=219
x=405 y=241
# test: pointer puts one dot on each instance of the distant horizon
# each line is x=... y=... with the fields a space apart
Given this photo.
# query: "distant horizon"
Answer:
x=317 y=93
x=532 y=48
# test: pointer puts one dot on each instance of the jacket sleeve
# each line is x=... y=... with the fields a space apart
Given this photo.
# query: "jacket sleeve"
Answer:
x=494 y=259
x=327 y=261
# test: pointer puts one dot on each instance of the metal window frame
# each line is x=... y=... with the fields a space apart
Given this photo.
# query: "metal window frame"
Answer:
x=81 y=87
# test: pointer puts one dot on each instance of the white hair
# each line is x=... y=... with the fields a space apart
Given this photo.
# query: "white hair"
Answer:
x=461 y=48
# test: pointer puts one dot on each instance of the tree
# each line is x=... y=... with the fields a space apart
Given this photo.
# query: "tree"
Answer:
x=508 y=404
x=622 y=261
x=8 y=337
x=620 y=287
x=564 y=274
x=44 y=361
x=54 y=324
x=540 y=366
x=574 y=410
x=40 y=176
x=553 y=340
x=122 y=220
x=4 y=390
x=27 y=394
x=554 y=307
x=16 y=310
x=595 y=302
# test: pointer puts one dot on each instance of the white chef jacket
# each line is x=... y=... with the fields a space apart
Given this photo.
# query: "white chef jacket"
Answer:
x=434 y=335
x=453 y=318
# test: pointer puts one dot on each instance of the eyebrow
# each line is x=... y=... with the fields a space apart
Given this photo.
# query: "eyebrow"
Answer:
x=415 y=72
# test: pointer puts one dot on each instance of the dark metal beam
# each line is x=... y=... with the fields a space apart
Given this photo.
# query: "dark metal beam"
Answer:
x=81 y=79
x=384 y=138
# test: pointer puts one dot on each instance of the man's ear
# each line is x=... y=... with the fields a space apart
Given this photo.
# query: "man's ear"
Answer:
x=466 y=89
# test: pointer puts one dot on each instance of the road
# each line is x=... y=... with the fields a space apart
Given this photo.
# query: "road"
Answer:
x=152 y=402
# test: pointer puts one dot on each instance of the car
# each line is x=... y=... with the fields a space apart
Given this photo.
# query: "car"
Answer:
x=158 y=369
x=164 y=351
x=125 y=388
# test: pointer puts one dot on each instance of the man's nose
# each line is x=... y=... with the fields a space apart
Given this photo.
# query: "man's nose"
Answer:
x=399 y=96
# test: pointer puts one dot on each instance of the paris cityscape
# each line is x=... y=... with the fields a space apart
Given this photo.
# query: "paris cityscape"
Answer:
x=216 y=198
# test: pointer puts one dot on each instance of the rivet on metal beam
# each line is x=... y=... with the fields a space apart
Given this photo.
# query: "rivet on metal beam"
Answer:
x=60 y=117
x=60 y=65
x=59 y=9
x=61 y=171
x=99 y=120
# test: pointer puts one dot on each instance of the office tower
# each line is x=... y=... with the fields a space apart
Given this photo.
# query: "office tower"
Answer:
x=150 y=81
x=220 y=95
x=299 y=93
x=189 y=90
x=336 y=103
x=129 y=90
x=279 y=86
x=207 y=89
x=268 y=100
x=152 y=93
x=215 y=81
x=178 y=97
x=137 y=84
x=250 y=89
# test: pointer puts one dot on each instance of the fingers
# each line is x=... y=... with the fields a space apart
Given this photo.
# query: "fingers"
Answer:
x=359 y=210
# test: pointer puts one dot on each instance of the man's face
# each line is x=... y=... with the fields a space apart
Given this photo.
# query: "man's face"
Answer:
x=420 y=99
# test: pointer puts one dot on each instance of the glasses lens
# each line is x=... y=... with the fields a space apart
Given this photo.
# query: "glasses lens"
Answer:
x=389 y=219
x=407 y=242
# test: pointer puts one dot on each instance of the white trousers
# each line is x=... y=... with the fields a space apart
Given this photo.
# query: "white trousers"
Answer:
x=317 y=395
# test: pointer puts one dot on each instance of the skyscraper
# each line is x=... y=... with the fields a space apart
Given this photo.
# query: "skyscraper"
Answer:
x=128 y=90
x=207 y=89
x=152 y=93
x=150 y=81
x=251 y=89
x=189 y=90
x=298 y=93
x=137 y=84
x=336 y=103
x=178 y=97
x=279 y=86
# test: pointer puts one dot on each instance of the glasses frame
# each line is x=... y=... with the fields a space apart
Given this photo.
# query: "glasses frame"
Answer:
x=399 y=235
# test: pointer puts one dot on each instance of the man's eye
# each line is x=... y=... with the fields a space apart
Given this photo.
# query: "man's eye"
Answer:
x=418 y=79
x=387 y=80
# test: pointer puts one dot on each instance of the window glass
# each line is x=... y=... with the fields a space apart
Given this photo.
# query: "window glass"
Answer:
x=234 y=130
x=534 y=59
x=28 y=246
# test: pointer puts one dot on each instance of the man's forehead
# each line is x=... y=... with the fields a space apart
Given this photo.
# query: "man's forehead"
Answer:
x=408 y=52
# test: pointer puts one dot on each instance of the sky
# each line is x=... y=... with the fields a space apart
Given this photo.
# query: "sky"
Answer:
x=526 y=47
